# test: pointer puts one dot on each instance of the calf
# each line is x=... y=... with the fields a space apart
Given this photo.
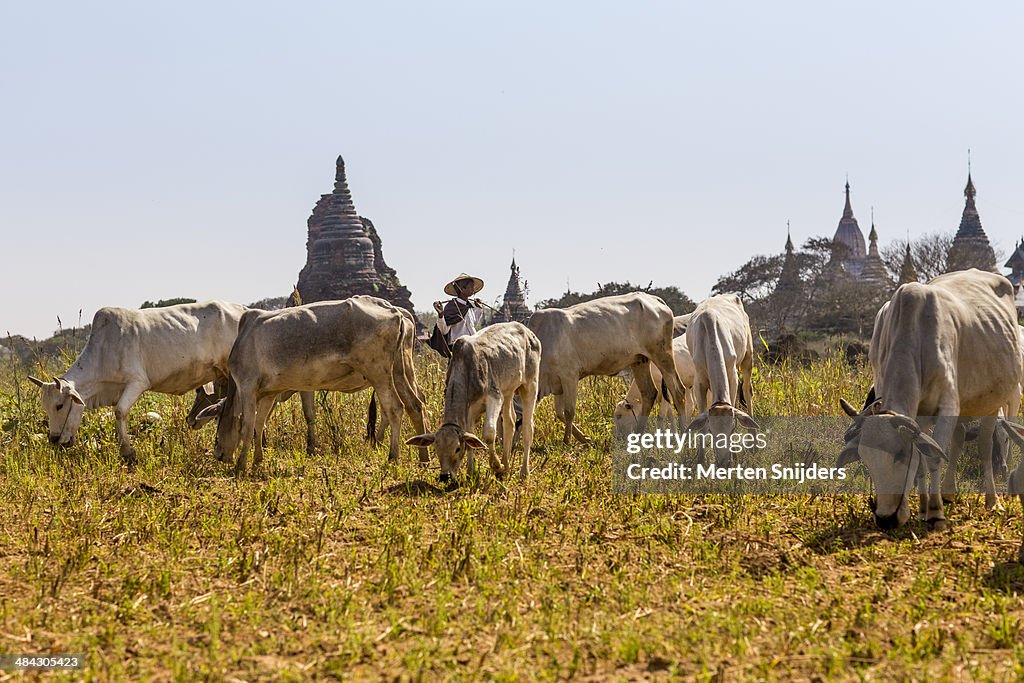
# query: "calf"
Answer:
x=485 y=372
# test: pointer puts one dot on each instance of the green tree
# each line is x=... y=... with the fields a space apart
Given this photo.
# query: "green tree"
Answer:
x=671 y=295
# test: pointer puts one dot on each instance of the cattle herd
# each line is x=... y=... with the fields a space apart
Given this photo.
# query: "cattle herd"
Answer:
x=943 y=354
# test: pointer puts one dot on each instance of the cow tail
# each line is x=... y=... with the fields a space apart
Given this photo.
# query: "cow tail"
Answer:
x=664 y=390
x=371 y=420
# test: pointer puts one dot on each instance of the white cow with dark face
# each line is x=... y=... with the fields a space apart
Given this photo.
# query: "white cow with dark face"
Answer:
x=939 y=351
x=169 y=350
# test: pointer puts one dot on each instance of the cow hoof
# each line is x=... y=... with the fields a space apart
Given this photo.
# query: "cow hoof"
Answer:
x=129 y=457
x=937 y=524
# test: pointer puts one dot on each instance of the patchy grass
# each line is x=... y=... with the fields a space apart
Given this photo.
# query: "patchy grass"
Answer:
x=339 y=566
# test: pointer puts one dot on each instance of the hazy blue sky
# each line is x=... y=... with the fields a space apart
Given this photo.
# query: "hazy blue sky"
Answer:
x=152 y=150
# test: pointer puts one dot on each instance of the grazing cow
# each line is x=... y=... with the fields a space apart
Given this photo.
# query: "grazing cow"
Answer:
x=603 y=337
x=625 y=416
x=939 y=351
x=212 y=392
x=169 y=350
x=334 y=345
x=486 y=371
x=723 y=358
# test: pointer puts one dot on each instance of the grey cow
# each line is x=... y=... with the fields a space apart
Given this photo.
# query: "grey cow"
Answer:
x=209 y=394
x=335 y=345
x=485 y=372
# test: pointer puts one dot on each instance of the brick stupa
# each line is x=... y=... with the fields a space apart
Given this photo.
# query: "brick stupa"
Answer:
x=343 y=253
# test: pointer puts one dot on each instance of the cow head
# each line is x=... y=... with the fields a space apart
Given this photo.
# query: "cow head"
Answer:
x=722 y=418
x=450 y=442
x=229 y=424
x=64 y=409
x=206 y=396
x=895 y=452
x=625 y=419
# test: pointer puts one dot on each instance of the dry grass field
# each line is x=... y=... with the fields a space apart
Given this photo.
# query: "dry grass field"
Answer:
x=338 y=566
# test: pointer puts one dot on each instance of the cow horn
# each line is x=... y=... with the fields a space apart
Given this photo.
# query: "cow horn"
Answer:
x=847 y=408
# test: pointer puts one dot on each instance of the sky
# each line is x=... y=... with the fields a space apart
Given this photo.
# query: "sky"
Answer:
x=158 y=150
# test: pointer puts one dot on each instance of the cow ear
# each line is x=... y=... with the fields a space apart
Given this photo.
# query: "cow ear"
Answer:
x=847 y=408
x=745 y=420
x=472 y=440
x=207 y=389
x=929 y=447
x=699 y=422
x=210 y=412
x=850 y=454
x=38 y=382
x=422 y=440
x=76 y=397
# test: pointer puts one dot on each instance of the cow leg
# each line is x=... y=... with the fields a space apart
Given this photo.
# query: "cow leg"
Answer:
x=746 y=372
x=248 y=426
x=565 y=407
x=129 y=396
x=391 y=406
x=528 y=397
x=263 y=409
x=985 y=440
x=492 y=410
x=309 y=412
x=415 y=409
x=508 y=428
x=945 y=434
x=956 y=443
x=665 y=361
x=644 y=382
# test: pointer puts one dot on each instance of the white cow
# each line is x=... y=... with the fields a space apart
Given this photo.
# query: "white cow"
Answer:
x=169 y=350
x=718 y=336
x=627 y=419
x=486 y=371
x=603 y=337
x=939 y=351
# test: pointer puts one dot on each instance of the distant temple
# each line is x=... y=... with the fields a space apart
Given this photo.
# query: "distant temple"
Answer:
x=513 y=307
x=971 y=248
x=789 y=280
x=908 y=272
x=343 y=253
x=850 y=259
x=1016 y=265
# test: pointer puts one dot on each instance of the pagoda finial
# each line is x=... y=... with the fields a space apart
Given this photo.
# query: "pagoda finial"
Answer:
x=848 y=209
x=873 y=235
x=969 y=191
x=789 y=239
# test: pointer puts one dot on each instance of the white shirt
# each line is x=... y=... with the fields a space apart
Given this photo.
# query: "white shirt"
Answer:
x=462 y=328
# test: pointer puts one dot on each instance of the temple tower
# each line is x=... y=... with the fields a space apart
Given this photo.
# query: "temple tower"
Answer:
x=343 y=252
x=970 y=248
x=513 y=307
